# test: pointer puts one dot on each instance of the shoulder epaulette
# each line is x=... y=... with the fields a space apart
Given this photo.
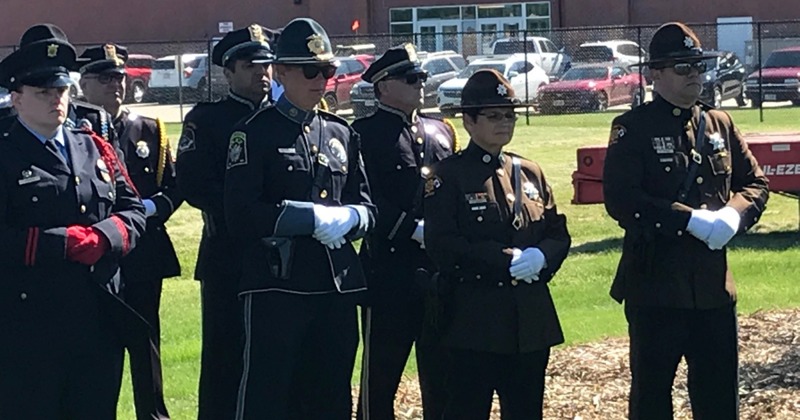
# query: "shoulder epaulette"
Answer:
x=331 y=115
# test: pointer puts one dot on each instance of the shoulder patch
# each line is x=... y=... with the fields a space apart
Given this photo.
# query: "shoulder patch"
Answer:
x=237 y=149
x=431 y=185
x=187 y=140
x=617 y=132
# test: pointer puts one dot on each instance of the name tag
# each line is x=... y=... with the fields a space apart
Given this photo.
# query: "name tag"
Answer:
x=287 y=150
x=477 y=198
x=29 y=180
x=663 y=145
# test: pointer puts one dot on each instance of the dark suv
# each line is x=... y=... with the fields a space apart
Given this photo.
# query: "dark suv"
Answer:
x=724 y=80
x=441 y=67
x=780 y=78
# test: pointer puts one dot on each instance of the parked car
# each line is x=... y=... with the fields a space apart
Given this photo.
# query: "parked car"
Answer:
x=780 y=78
x=138 y=68
x=441 y=66
x=539 y=50
x=356 y=49
x=337 y=90
x=592 y=87
x=724 y=79
x=519 y=71
x=75 y=91
x=194 y=80
x=619 y=51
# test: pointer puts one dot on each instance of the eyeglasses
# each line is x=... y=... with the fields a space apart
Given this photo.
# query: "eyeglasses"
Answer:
x=106 y=78
x=310 y=71
x=413 y=79
x=497 y=117
x=683 y=69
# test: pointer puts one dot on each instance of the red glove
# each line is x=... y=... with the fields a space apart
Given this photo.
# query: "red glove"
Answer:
x=86 y=245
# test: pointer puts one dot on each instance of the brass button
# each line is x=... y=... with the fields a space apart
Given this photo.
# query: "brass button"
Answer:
x=676 y=112
x=290 y=168
x=77 y=180
x=83 y=208
x=422 y=154
x=344 y=169
x=755 y=219
x=425 y=171
x=680 y=233
x=704 y=206
x=500 y=284
x=480 y=218
x=414 y=128
x=699 y=179
x=510 y=197
x=486 y=158
x=111 y=195
x=477 y=277
x=457 y=267
x=35 y=199
x=307 y=129
x=658 y=225
x=323 y=194
x=314 y=148
x=399 y=167
x=419 y=140
x=636 y=215
x=514 y=282
x=391 y=249
x=667 y=169
x=23 y=296
x=147 y=169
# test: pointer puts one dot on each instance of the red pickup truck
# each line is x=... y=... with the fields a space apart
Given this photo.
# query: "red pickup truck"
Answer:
x=138 y=68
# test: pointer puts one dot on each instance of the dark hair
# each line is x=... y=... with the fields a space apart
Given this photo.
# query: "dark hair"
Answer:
x=377 y=90
x=472 y=112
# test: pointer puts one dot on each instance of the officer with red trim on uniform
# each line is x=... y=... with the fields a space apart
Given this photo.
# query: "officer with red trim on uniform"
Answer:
x=149 y=161
x=68 y=214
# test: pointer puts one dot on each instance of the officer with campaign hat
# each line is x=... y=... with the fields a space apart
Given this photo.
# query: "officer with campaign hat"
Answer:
x=681 y=181
x=69 y=214
x=296 y=197
x=245 y=56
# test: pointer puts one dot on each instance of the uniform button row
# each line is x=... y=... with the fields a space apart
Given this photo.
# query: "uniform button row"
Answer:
x=83 y=208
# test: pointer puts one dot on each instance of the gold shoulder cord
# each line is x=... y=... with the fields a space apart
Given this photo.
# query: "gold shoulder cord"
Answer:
x=163 y=146
x=456 y=146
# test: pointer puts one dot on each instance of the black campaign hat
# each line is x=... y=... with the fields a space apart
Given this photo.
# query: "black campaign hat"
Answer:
x=488 y=88
x=108 y=58
x=44 y=59
x=304 y=41
x=675 y=41
x=397 y=61
x=252 y=43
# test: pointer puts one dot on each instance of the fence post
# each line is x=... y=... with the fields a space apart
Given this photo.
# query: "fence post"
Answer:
x=642 y=81
x=527 y=93
x=760 y=81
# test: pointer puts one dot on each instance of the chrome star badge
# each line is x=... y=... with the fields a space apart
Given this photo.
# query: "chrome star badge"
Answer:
x=688 y=42
x=52 y=50
x=530 y=191
x=717 y=142
x=142 y=149
x=502 y=90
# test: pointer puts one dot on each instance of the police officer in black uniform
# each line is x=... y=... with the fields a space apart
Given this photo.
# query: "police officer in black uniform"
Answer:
x=149 y=161
x=69 y=213
x=681 y=182
x=492 y=227
x=399 y=145
x=202 y=150
x=296 y=195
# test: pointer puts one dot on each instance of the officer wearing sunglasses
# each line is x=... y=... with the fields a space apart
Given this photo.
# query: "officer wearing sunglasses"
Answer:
x=296 y=197
x=681 y=182
x=399 y=146
x=493 y=229
x=245 y=56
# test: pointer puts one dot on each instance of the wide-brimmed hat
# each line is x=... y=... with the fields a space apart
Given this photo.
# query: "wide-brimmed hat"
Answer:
x=397 y=61
x=107 y=58
x=487 y=88
x=304 y=41
x=675 y=41
x=44 y=59
x=254 y=43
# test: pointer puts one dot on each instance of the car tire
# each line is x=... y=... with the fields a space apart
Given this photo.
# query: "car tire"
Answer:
x=717 y=98
x=601 y=103
x=330 y=100
x=741 y=99
x=73 y=92
x=796 y=102
x=137 y=92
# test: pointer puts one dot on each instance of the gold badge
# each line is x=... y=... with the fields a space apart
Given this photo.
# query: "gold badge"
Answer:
x=256 y=33
x=431 y=185
x=111 y=54
x=52 y=50
x=142 y=149
x=411 y=51
x=316 y=44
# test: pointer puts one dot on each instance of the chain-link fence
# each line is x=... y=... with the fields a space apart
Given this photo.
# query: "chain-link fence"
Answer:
x=757 y=66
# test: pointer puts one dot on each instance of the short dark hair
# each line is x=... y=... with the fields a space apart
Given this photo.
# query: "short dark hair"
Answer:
x=472 y=112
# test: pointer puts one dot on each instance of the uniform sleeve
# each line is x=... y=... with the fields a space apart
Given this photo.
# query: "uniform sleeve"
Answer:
x=168 y=198
x=624 y=195
x=356 y=191
x=195 y=166
x=748 y=184
x=556 y=242
x=29 y=246
x=444 y=241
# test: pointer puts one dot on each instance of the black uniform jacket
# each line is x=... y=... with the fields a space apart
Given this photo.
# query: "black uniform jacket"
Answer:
x=202 y=151
x=149 y=160
x=647 y=163
x=396 y=148
x=93 y=117
x=469 y=203
x=43 y=295
x=281 y=161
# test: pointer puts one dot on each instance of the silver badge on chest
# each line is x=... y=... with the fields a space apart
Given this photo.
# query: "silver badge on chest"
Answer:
x=142 y=149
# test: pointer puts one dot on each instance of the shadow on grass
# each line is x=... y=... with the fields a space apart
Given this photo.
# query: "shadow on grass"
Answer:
x=776 y=374
x=768 y=241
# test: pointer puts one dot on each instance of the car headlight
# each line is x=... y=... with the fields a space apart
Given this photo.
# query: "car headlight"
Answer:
x=592 y=85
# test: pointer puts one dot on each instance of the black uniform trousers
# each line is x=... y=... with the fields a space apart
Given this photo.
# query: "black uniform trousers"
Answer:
x=223 y=339
x=144 y=296
x=660 y=337
x=391 y=330
x=474 y=377
x=299 y=357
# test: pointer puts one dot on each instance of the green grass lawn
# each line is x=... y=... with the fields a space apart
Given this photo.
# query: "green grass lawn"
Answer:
x=765 y=262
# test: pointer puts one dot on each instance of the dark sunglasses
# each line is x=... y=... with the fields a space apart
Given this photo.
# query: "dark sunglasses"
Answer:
x=107 y=78
x=413 y=79
x=310 y=71
x=683 y=69
x=498 y=117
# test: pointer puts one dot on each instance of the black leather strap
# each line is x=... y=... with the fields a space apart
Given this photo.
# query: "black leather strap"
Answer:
x=697 y=158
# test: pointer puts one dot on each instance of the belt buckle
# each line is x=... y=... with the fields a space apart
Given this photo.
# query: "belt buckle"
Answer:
x=696 y=157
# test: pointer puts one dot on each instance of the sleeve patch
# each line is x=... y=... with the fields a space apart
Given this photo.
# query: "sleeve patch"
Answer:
x=431 y=185
x=186 y=143
x=237 y=149
x=617 y=132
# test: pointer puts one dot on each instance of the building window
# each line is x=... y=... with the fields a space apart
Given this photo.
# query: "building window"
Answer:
x=537 y=16
x=468 y=12
x=500 y=11
x=401 y=15
x=444 y=13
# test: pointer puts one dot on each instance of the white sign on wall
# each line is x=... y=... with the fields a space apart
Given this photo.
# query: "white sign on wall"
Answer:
x=225 y=27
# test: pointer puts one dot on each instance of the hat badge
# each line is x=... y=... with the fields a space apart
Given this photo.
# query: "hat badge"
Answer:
x=411 y=51
x=52 y=50
x=502 y=90
x=256 y=34
x=688 y=42
x=316 y=44
x=111 y=54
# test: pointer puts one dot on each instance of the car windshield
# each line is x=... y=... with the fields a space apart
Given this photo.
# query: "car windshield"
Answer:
x=472 y=68
x=585 y=73
x=513 y=46
x=593 y=53
x=783 y=59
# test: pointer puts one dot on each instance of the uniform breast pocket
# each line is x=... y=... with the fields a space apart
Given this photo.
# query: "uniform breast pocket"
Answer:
x=34 y=199
x=720 y=164
x=103 y=196
x=534 y=211
x=337 y=171
x=483 y=218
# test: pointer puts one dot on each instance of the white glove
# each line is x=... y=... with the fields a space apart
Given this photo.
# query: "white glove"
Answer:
x=419 y=234
x=149 y=207
x=700 y=224
x=332 y=223
x=336 y=244
x=526 y=265
x=725 y=227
